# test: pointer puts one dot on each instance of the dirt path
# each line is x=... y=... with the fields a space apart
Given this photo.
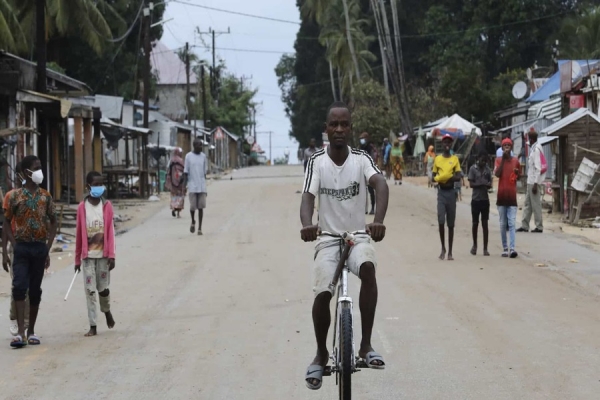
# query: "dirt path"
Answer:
x=227 y=315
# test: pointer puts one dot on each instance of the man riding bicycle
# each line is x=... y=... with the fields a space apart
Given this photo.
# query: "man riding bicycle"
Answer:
x=338 y=176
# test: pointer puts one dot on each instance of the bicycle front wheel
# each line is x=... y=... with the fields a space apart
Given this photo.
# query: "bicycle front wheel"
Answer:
x=346 y=353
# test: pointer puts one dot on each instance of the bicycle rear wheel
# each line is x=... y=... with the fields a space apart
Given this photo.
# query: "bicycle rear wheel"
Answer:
x=346 y=353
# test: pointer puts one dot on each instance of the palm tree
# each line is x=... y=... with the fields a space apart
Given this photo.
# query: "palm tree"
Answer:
x=11 y=34
x=340 y=53
x=581 y=35
x=84 y=18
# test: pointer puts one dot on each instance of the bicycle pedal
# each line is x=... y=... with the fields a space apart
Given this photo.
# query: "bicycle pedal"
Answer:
x=360 y=363
x=327 y=371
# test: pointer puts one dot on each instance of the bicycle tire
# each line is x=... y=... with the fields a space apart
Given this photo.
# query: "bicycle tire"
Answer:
x=346 y=353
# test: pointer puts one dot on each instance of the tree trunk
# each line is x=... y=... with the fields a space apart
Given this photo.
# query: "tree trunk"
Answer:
x=331 y=77
x=400 y=61
x=383 y=56
x=350 y=42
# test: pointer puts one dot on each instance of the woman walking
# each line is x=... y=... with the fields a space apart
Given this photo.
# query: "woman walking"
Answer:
x=173 y=184
x=397 y=161
x=428 y=161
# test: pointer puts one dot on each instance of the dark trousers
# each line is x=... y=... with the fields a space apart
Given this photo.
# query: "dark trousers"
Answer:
x=372 y=194
x=28 y=271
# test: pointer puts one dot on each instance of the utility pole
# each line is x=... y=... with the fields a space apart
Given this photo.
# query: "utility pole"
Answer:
x=40 y=16
x=204 y=112
x=213 y=73
x=147 y=63
x=187 y=81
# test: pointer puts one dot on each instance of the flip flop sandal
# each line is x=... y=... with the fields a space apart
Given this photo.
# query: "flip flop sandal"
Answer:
x=18 y=342
x=192 y=228
x=314 y=372
x=33 y=340
x=374 y=356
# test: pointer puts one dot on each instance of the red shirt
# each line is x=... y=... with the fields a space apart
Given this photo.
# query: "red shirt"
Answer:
x=507 y=185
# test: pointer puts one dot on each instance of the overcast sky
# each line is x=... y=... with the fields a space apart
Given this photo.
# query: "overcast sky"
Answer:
x=246 y=34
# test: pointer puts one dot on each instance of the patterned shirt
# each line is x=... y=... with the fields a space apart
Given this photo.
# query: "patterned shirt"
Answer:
x=30 y=213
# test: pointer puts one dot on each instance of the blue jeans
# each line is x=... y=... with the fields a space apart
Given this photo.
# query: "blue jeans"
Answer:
x=508 y=217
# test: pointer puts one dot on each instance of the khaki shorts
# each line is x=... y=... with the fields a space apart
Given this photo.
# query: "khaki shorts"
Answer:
x=327 y=257
x=197 y=201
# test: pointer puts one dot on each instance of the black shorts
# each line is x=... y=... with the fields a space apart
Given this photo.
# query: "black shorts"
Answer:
x=480 y=207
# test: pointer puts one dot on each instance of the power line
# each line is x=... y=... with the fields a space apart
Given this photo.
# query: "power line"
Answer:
x=237 y=13
x=248 y=50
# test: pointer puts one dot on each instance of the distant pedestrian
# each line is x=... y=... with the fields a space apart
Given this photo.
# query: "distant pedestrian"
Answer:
x=34 y=215
x=458 y=186
x=174 y=184
x=507 y=170
x=397 y=162
x=480 y=180
x=8 y=255
x=194 y=176
x=95 y=249
x=309 y=151
x=446 y=170
x=535 y=186
x=386 y=152
x=367 y=146
x=428 y=161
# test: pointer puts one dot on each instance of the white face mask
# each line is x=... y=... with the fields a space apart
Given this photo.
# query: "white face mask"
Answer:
x=37 y=177
x=363 y=141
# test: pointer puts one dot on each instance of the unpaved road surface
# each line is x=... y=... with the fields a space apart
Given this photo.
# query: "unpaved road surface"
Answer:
x=227 y=315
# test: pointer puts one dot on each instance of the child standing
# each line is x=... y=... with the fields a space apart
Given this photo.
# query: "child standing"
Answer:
x=95 y=248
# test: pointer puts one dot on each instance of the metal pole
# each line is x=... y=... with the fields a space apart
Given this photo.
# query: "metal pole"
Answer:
x=187 y=79
x=214 y=77
x=270 y=149
x=146 y=66
x=204 y=114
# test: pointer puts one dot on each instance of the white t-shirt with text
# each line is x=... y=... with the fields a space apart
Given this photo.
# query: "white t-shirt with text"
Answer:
x=341 y=190
x=94 y=221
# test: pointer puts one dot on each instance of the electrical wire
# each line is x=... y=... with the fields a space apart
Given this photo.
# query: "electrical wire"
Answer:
x=237 y=13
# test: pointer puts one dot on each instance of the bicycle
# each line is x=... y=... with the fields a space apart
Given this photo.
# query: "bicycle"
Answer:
x=344 y=363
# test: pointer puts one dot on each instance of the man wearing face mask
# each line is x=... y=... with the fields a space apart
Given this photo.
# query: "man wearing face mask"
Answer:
x=95 y=249
x=34 y=215
x=8 y=256
x=366 y=145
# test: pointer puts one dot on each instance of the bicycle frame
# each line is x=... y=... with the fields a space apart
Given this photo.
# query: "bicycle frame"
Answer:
x=340 y=279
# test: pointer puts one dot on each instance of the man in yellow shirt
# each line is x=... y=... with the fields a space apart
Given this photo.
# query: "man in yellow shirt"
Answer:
x=446 y=170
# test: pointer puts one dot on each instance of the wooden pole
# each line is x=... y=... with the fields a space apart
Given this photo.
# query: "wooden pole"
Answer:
x=88 y=160
x=78 y=164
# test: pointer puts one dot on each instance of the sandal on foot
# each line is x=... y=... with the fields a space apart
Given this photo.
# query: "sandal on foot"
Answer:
x=33 y=340
x=474 y=250
x=374 y=356
x=192 y=228
x=18 y=342
x=314 y=372
x=505 y=253
x=513 y=254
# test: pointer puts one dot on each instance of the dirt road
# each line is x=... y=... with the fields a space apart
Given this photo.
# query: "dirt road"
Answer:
x=227 y=315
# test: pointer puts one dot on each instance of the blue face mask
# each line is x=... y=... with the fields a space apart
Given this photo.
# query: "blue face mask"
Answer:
x=97 y=191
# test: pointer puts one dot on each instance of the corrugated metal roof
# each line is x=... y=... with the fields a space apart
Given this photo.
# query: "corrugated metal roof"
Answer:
x=552 y=87
x=582 y=112
x=111 y=106
x=549 y=109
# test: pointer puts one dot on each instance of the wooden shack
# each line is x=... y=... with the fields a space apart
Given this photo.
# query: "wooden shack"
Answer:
x=579 y=137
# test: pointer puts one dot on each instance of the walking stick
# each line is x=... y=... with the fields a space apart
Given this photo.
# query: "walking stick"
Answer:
x=71 y=286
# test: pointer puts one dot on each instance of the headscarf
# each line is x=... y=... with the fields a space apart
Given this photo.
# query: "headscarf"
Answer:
x=430 y=153
x=175 y=170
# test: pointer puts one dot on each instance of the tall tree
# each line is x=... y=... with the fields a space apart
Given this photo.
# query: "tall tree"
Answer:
x=580 y=35
x=11 y=34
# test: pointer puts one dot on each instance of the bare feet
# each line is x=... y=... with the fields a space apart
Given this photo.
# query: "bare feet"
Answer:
x=486 y=253
x=450 y=258
x=110 y=320
x=443 y=255
x=92 y=332
x=319 y=360
x=474 y=250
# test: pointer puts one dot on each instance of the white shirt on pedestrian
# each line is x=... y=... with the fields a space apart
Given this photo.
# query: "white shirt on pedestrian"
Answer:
x=534 y=166
x=341 y=190
x=94 y=221
x=196 y=168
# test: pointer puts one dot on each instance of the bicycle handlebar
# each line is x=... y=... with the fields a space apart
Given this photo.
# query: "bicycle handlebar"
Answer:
x=346 y=236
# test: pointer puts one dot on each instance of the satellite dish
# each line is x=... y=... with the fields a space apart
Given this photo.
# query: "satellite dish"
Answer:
x=529 y=74
x=250 y=139
x=519 y=90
